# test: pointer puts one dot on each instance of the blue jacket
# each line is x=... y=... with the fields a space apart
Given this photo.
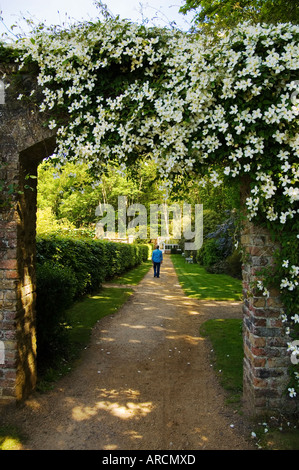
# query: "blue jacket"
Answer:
x=157 y=256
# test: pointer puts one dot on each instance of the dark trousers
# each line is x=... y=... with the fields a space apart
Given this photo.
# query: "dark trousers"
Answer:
x=157 y=269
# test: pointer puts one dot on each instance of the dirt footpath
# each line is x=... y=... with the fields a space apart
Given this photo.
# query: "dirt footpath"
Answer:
x=144 y=383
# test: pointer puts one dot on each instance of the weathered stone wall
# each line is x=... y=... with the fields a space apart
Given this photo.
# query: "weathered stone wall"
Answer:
x=24 y=142
x=266 y=361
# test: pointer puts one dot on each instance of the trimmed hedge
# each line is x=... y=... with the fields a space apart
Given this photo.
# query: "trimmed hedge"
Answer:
x=55 y=290
x=92 y=261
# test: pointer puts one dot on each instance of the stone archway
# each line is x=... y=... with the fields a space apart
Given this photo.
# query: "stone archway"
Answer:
x=24 y=143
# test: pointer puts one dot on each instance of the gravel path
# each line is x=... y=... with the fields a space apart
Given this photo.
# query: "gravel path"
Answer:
x=144 y=383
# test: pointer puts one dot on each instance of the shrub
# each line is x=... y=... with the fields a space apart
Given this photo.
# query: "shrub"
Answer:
x=56 y=287
x=209 y=253
x=211 y=220
x=85 y=258
x=217 y=254
x=234 y=265
x=92 y=261
x=220 y=267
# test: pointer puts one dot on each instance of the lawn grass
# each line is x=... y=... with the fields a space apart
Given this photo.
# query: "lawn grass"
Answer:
x=197 y=283
x=133 y=276
x=10 y=438
x=227 y=346
x=82 y=317
x=84 y=314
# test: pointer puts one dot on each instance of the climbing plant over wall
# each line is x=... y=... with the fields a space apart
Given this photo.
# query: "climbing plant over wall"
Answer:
x=224 y=107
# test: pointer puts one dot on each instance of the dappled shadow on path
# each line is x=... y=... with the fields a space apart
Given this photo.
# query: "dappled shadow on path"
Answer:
x=145 y=381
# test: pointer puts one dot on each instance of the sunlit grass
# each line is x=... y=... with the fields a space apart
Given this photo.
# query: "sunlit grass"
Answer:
x=83 y=315
x=10 y=438
x=286 y=438
x=227 y=346
x=81 y=318
x=197 y=283
x=134 y=276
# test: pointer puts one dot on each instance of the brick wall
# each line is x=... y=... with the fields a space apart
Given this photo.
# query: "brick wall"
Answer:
x=266 y=361
x=24 y=142
x=9 y=279
x=17 y=284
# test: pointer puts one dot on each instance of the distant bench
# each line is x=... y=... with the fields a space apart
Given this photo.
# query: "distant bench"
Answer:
x=189 y=260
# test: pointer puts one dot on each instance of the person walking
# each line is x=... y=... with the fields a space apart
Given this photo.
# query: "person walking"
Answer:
x=157 y=259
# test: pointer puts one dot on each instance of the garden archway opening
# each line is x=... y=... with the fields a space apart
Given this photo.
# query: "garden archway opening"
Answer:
x=23 y=136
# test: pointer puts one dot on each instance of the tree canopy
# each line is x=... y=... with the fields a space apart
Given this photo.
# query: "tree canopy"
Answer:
x=228 y=13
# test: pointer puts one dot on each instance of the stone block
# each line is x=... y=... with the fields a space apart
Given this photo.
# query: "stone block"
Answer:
x=258 y=351
x=259 y=302
x=9 y=264
x=259 y=362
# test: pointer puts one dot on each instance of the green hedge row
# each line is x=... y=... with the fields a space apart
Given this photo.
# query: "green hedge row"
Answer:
x=91 y=261
x=68 y=269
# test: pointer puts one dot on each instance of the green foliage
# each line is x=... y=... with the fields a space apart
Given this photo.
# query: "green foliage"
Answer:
x=228 y=13
x=91 y=261
x=133 y=276
x=234 y=264
x=215 y=199
x=69 y=194
x=217 y=254
x=227 y=343
x=76 y=255
x=209 y=253
x=7 y=189
x=211 y=220
x=199 y=284
x=67 y=198
x=199 y=105
x=47 y=223
x=56 y=286
x=11 y=438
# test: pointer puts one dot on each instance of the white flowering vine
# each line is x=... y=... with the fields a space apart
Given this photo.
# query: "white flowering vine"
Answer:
x=196 y=105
